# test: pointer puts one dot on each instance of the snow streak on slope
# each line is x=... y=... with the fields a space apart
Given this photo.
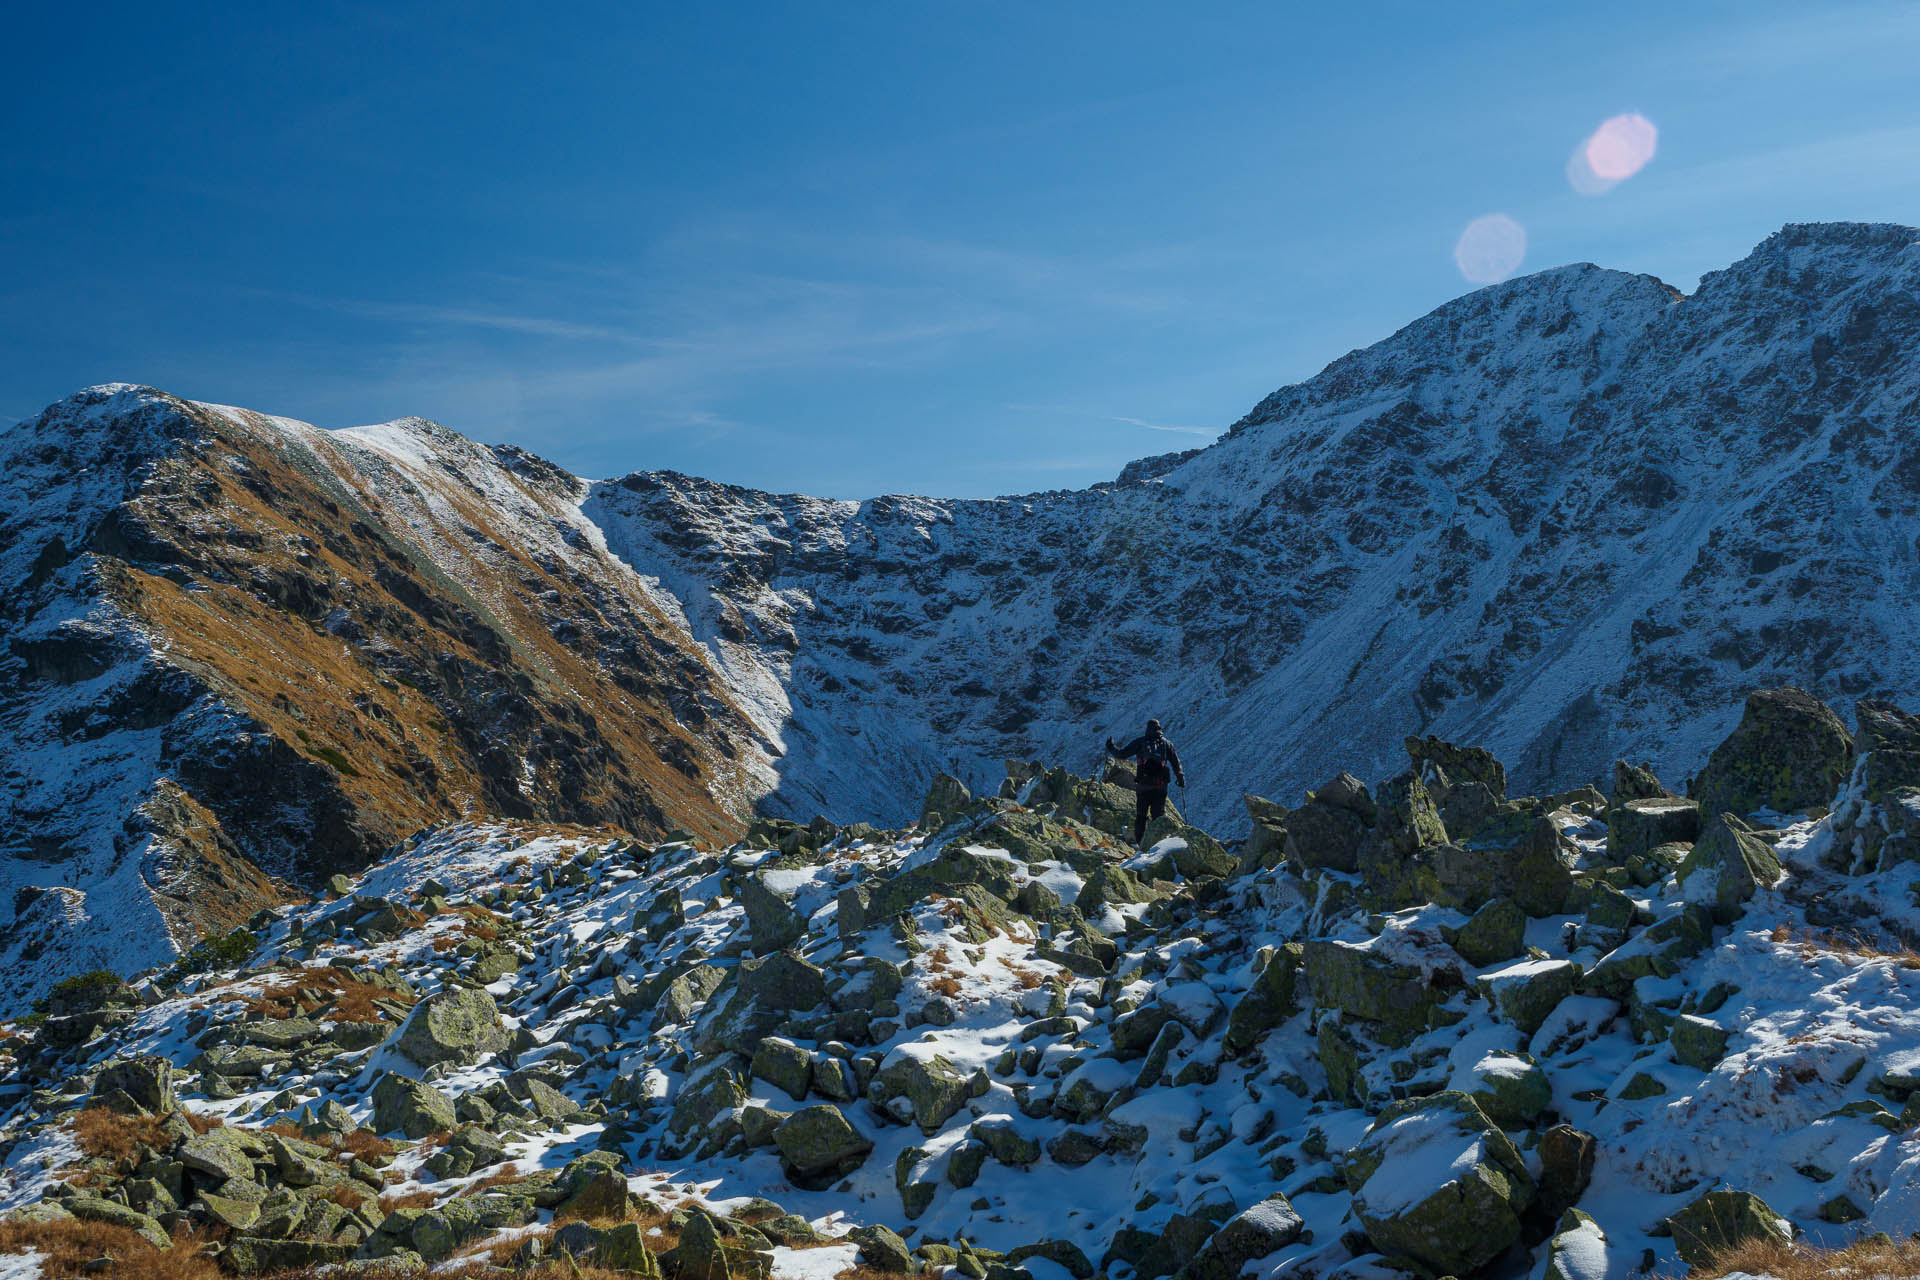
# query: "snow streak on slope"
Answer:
x=1572 y=516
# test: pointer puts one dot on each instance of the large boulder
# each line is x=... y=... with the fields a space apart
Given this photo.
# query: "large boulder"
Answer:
x=457 y=1026
x=1449 y=766
x=1639 y=826
x=1437 y=1181
x=1789 y=754
x=1525 y=993
x=1727 y=867
x=920 y=1086
x=1194 y=853
x=410 y=1107
x=1409 y=818
x=1267 y=844
x=773 y=923
x=1248 y=1236
x=1496 y=932
x=1510 y=1088
x=136 y=1084
x=1329 y=828
x=1720 y=1221
x=1267 y=1003
x=113 y=1214
x=760 y=999
x=1398 y=998
x=1525 y=859
x=819 y=1145
x=1566 y=1166
x=946 y=796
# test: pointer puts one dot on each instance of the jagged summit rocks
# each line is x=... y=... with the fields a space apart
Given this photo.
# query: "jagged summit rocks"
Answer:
x=1011 y=1043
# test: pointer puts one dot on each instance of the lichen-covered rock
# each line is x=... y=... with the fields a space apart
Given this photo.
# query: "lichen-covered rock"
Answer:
x=1722 y=1220
x=1727 y=866
x=883 y=1250
x=785 y=1065
x=1527 y=860
x=1698 y=1042
x=819 y=1145
x=1566 y=1166
x=623 y=1248
x=1510 y=1088
x=1640 y=826
x=1407 y=816
x=1195 y=854
x=457 y=1026
x=410 y=1107
x=255 y=1255
x=1368 y=985
x=1003 y=1139
x=1248 y=1236
x=1436 y=1180
x=921 y=1086
x=760 y=997
x=1329 y=828
x=1450 y=766
x=95 y=1209
x=1267 y=844
x=1270 y=1001
x=1789 y=754
x=946 y=796
x=1496 y=932
x=219 y=1155
x=1525 y=993
x=773 y=923
x=144 y=1084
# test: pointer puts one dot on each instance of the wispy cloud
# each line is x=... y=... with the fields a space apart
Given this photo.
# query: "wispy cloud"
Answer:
x=1205 y=433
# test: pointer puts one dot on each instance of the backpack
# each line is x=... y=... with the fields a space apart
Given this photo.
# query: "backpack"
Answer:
x=1155 y=773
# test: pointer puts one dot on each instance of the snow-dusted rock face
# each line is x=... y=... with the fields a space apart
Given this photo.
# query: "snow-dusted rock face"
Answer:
x=241 y=651
x=1573 y=516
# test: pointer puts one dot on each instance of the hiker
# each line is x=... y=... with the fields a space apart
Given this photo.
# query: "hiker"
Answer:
x=1156 y=764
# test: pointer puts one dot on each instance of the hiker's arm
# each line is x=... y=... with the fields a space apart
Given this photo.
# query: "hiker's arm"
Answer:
x=1130 y=750
x=1173 y=758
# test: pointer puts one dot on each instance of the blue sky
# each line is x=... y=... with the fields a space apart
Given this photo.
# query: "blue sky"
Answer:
x=855 y=248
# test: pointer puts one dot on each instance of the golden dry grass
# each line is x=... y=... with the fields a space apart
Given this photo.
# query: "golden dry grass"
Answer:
x=1812 y=944
x=330 y=993
x=108 y=1135
x=411 y=1200
x=67 y=1247
x=1862 y=1260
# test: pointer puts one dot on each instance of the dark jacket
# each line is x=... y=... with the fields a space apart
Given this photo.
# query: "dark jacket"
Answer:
x=1133 y=750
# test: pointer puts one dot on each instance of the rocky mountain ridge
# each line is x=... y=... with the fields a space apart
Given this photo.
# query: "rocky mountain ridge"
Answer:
x=1572 y=516
x=1420 y=1029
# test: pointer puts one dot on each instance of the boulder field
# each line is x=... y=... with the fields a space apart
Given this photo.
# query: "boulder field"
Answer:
x=1415 y=1028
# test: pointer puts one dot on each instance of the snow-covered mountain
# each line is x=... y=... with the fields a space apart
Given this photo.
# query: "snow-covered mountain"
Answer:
x=242 y=653
x=1570 y=517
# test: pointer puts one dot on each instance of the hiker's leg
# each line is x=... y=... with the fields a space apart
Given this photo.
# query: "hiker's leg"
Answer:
x=1141 y=799
x=1157 y=806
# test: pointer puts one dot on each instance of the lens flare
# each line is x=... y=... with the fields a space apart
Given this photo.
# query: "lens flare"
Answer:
x=1621 y=147
x=1491 y=248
